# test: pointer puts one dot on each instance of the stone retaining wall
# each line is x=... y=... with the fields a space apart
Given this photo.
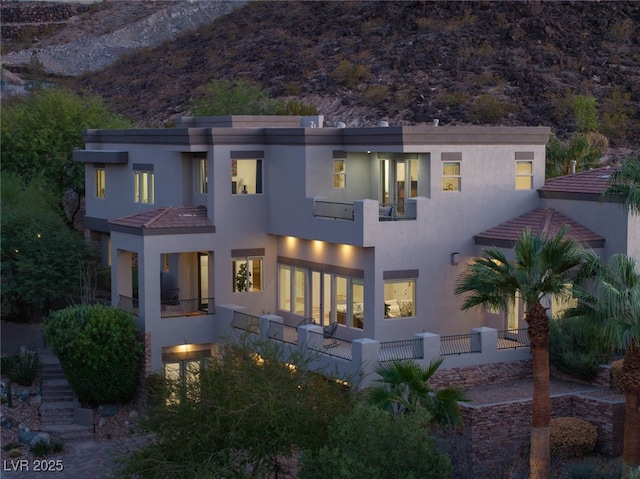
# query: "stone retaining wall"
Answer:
x=36 y=18
x=471 y=376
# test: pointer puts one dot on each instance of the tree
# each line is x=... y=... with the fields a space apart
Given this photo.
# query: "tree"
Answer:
x=99 y=350
x=403 y=387
x=40 y=256
x=368 y=443
x=624 y=185
x=541 y=268
x=39 y=132
x=245 y=413
x=610 y=296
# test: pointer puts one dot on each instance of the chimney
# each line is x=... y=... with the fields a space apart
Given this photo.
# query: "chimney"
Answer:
x=436 y=122
x=573 y=167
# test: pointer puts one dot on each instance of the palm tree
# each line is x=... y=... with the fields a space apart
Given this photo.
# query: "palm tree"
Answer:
x=541 y=268
x=613 y=301
x=624 y=185
x=404 y=386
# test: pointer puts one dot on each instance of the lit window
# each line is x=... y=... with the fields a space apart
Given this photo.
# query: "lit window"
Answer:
x=357 y=303
x=100 y=182
x=246 y=177
x=524 y=175
x=399 y=298
x=339 y=176
x=247 y=274
x=451 y=176
x=284 y=287
x=201 y=174
x=143 y=186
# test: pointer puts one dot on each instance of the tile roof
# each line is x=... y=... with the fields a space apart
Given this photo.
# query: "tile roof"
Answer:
x=586 y=183
x=167 y=218
x=543 y=221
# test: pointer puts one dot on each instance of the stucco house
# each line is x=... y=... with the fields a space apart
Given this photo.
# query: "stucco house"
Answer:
x=284 y=217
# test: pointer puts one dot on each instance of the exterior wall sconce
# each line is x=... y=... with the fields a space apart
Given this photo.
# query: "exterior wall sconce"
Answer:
x=455 y=258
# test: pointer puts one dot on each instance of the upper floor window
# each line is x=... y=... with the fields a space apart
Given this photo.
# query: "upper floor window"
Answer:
x=143 y=184
x=246 y=176
x=339 y=175
x=524 y=175
x=202 y=176
x=101 y=177
x=451 y=176
x=247 y=274
x=399 y=298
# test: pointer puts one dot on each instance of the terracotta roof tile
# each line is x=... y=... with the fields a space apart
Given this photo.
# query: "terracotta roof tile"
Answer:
x=170 y=217
x=543 y=221
x=590 y=182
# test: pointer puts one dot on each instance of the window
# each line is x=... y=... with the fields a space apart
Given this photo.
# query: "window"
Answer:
x=399 y=298
x=101 y=176
x=339 y=176
x=524 y=175
x=451 y=176
x=202 y=177
x=357 y=303
x=284 y=287
x=246 y=177
x=143 y=184
x=247 y=274
x=299 y=276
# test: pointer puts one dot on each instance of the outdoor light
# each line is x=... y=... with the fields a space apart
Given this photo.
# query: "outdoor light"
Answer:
x=455 y=258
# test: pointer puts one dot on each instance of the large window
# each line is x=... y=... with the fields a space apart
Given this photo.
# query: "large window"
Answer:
x=324 y=296
x=202 y=177
x=247 y=274
x=524 y=175
x=399 y=298
x=143 y=184
x=451 y=176
x=246 y=177
x=101 y=181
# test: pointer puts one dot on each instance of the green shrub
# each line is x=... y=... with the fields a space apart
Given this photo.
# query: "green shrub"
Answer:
x=40 y=449
x=488 y=109
x=571 y=437
x=350 y=74
x=375 y=94
x=290 y=107
x=368 y=443
x=98 y=350
x=22 y=368
x=575 y=348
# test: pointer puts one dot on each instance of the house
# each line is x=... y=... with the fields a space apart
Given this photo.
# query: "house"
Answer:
x=283 y=216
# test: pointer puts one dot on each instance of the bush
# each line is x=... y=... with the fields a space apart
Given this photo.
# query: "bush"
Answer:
x=350 y=74
x=98 y=350
x=22 y=368
x=575 y=348
x=571 y=437
x=368 y=443
x=617 y=383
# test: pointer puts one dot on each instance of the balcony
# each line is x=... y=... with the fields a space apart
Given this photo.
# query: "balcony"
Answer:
x=386 y=212
x=173 y=308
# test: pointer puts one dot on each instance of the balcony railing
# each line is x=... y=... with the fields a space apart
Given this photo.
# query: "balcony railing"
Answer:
x=400 y=350
x=332 y=346
x=460 y=344
x=338 y=211
x=283 y=332
x=246 y=322
x=172 y=308
x=187 y=307
x=513 y=338
x=398 y=211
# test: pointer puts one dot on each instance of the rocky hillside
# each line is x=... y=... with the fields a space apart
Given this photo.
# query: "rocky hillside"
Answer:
x=511 y=63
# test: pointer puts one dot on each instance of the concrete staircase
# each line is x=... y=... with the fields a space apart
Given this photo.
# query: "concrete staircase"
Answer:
x=59 y=405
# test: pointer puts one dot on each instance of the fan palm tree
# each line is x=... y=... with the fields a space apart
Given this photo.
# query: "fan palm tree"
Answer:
x=624 y=185
x=613 y=301
x=541 y=268
x=403 y=387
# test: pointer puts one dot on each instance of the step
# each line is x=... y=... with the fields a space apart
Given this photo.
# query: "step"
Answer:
x=56 y=407
x=68 y=432
x=55 y=385
x=59 y=397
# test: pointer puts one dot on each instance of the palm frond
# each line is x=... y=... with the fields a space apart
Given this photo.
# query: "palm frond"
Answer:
x=624 y=186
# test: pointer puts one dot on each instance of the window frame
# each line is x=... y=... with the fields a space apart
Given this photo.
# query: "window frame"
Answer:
x=339 y=173
x=250 y=286
x=456 y=178
x=100 y=181
x=143 y=184
x=238 y=189
x=389 y=312
x=201 y=179
x=522 y=176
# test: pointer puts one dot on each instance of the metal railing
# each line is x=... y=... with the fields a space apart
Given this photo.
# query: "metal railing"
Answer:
x=338 y=211
x=460 y=344
x=513 y=338
x=330 y=345
x=129 y=304
x=398 y=211
x=399 y=350
x=246 y=322
x=187 y=307
x=282 y=332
